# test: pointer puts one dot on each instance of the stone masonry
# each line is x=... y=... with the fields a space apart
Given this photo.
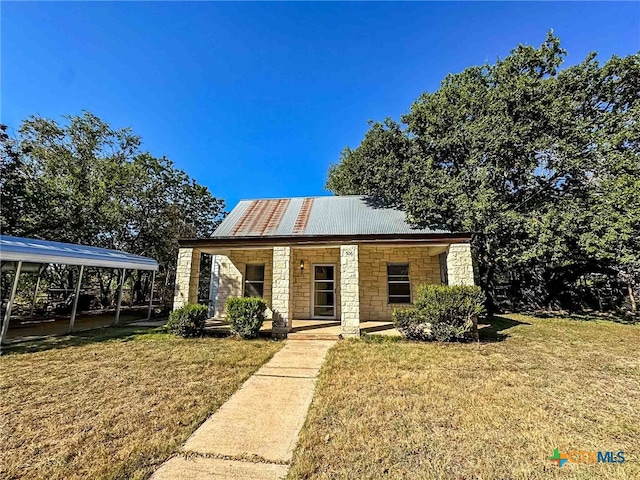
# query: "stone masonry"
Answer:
x=302 y=281
x=361 y=278
x=187 y=277
x=280 y=291
x=424 y=267
x=231 y=275
x=460 y=264
x=349 y=291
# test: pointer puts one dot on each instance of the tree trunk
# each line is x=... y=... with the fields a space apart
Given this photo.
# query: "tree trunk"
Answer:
x=632 y=298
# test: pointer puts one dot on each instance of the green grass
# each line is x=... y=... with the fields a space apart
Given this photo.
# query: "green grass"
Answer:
x=490 y=410
x=113 y=403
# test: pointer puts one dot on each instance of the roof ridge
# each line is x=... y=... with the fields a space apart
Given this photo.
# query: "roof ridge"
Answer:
x=302 y=198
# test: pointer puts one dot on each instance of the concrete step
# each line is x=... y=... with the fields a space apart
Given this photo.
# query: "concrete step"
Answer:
x=312 y=336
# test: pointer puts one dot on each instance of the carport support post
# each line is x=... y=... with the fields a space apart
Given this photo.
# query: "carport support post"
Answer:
x=7 y=315
x=35 y=294
x=75 y=300
x=124 y=271
x=153 y=279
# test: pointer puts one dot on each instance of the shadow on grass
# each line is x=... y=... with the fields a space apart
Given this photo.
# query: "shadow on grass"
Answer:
x=218 y=332
x=98 y=335
x=377 y=338
x=626 y=319
x=492 y=328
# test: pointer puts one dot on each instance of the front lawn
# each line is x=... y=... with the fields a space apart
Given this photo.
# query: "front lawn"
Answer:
x=494 y=410
x=113 y=403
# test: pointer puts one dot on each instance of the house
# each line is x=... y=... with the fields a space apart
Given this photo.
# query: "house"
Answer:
x=346 y=258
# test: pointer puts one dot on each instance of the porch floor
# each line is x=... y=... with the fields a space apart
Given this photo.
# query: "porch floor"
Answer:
x=310 y=327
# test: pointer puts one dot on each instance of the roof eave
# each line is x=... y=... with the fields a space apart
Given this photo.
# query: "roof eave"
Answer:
x=287 y=240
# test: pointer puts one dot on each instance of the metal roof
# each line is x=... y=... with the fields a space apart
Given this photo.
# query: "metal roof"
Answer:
x=16 y=249
x=316 y=216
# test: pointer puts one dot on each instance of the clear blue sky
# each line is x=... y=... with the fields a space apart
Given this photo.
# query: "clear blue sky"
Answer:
x=258 y=99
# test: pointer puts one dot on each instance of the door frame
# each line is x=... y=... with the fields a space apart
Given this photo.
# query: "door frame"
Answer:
x=313 y=292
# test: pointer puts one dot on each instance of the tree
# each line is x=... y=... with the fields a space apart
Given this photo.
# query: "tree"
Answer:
x=522 y=153
x=83 y=182
x=13 y=180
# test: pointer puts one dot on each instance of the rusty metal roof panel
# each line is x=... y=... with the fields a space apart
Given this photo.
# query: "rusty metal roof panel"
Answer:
x=335 y=215
x=225 y=229
x=287 y=225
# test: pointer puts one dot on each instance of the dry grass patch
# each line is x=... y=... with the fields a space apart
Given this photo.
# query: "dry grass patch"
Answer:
x=113 y=403
x=494 y=410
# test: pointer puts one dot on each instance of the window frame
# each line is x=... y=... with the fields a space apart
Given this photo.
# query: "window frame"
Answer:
x=246 y=281
x=402 y=282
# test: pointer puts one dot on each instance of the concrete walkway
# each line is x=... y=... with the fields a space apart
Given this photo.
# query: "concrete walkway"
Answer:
x=252 y=436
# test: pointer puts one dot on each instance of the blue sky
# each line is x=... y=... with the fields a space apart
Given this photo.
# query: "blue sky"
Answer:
x=258 y=99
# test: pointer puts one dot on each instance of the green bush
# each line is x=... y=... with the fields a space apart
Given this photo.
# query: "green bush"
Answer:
x=188 y=321
x=245 y=315
x=409 y=322
x=443 y=313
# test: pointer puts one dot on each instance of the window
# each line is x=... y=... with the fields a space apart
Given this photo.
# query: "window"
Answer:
x=398 y=283
x=254 y=281
x=443 y=268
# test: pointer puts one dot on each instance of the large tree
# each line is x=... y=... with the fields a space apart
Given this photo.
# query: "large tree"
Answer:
x=542 y=163
x=81 y=181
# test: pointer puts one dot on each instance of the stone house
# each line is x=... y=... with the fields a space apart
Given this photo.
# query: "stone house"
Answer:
x=345 y=258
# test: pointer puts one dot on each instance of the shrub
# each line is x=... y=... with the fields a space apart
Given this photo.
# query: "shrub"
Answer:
x=245 y=315
x=188 y=321
x=443 y=313
x=409 y=322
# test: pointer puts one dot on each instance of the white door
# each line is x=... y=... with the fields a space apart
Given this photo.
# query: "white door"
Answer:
x=324 y=291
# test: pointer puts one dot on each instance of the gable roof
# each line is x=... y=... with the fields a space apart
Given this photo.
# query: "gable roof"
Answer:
x=316 y=216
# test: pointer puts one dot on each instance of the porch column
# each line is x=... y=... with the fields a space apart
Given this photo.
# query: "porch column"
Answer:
x=349 y=291
x=280 y=291
x=214 y=285
x=187 y=277
x=460 y=264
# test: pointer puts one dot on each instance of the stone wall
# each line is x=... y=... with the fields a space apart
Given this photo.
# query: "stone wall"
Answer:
x=350 y=291
x=460 y=265
x=281 y=291
x=302 y=282
x=231 y=277
x=187 y=277
x=424 y=267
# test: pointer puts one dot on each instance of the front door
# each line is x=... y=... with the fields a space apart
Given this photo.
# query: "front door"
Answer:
x=324 y=291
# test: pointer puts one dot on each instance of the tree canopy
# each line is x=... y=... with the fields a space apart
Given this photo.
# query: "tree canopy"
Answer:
x=81 y=181
x=542 y=163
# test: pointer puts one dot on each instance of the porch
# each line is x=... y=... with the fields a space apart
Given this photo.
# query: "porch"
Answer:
x=311 y=329
x=319 y=288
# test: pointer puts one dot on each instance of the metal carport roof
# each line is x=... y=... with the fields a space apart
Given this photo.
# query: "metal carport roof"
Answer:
x=28 y=250
x=17 y=252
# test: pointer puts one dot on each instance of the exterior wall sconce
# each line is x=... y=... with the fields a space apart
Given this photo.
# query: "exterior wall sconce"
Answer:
x=301 y=266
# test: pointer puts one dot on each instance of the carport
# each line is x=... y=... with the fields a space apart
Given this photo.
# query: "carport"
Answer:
x=24 y=255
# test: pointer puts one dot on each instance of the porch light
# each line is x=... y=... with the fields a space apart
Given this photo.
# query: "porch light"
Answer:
x=301 y=266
